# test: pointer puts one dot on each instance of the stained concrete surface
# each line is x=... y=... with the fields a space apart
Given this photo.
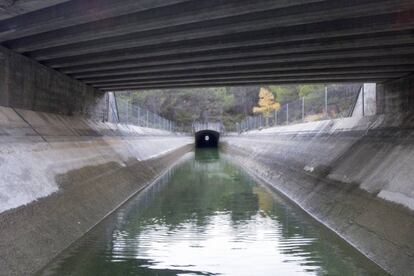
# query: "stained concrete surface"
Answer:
x=61 y=175
x=26 y=84
x=342 y=173
x=37 y=146
x=33 y=234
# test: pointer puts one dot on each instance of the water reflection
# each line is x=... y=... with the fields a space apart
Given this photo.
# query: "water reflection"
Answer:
x=207 y=217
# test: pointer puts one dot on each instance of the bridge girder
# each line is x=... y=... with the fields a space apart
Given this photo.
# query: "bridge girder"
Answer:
x=123 y=45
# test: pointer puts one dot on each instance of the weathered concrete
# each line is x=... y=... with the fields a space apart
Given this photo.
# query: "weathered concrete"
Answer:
x=396 y=96
x=355 y=175
x=61 y=175
x=26 y=84
x=366 y=104
x=11 y=8
x=105 y=40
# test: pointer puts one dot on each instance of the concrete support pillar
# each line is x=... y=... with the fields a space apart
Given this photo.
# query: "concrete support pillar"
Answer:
x=395 y=96
x=366 y=103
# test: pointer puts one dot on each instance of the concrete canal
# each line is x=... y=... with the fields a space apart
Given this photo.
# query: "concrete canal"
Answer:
x=206 y=216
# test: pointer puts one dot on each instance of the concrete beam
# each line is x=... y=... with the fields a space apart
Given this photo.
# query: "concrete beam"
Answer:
x=277 y=54
x=292 y=67
x=104 y=42
x=11 y=8
x=370 y=71
x=217 y=46
x=189 y=12
x=262 y=80
x=72 y=13
x=247 y=83
x=334 y=29
x=335 y=56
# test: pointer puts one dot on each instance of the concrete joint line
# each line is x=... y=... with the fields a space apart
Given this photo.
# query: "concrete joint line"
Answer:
x=43 y=138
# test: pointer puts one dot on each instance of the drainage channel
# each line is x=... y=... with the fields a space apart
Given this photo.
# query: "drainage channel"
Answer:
x=207 y=216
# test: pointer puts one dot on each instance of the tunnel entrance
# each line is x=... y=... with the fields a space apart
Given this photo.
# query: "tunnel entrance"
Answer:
x=207 y=139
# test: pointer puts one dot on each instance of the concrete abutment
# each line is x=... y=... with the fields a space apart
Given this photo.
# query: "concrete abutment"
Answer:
x=26 y=84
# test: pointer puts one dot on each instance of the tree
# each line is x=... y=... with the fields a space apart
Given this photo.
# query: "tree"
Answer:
x=266 y=104
x=284 y=93
x=308 y=89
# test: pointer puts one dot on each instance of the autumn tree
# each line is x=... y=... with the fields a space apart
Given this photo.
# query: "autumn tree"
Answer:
x=266 y=104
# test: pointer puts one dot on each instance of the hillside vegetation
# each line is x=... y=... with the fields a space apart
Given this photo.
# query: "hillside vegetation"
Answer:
x=226 y=104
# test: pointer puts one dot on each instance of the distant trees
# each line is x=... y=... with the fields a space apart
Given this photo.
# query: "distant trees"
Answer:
x=289 y=93
x=308 y=89
x=266 y=104
x=232 y=104
x=184 y=106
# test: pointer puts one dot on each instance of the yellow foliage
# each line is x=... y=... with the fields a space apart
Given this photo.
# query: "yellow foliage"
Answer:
x=266 y=103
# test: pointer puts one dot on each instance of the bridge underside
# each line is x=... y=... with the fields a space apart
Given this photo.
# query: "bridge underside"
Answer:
x=121 y=45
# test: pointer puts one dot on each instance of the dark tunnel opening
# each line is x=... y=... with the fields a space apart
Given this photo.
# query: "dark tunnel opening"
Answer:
x=207 y=139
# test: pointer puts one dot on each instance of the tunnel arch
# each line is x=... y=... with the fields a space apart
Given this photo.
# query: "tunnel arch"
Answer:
x=207 y=139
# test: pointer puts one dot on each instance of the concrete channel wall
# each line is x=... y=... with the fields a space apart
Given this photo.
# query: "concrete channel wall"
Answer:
x=355 y=175
x=60 y=175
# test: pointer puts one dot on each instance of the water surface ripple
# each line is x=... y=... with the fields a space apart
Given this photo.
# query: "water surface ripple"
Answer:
x=208 y=217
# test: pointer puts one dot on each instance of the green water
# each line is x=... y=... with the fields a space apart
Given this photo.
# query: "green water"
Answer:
x=208 y=217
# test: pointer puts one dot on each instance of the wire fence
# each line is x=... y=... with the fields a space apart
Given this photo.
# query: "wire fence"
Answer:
x=129 y=113
x=329 y=103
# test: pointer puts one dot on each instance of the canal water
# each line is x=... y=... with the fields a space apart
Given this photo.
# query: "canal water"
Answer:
x=206 y=216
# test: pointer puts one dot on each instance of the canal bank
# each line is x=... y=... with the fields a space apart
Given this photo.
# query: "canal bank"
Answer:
x=354 y=175
x=207 y=216
x=60 y=175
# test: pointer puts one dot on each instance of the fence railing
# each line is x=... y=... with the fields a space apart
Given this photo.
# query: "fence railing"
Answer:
x=129 y=113
x=329 y=103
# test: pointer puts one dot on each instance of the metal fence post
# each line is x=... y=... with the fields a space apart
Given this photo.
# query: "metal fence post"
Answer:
x=275 y=117
x=138 y=116
x=287 y=113
x=363 y=99
x=303 y=109
x=127 y=111
x=326 y=101
x=147 y=124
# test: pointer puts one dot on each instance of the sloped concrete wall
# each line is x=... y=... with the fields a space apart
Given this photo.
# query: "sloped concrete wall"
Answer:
x=60 y=175
x=356 y=175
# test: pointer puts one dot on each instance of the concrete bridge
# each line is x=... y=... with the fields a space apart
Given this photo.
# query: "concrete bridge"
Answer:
x=118 y=45
x=65 y=166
